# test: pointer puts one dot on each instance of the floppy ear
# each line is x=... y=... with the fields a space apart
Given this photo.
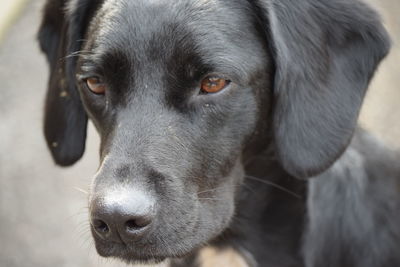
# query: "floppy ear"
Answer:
x=60 y=35
x=326 y=52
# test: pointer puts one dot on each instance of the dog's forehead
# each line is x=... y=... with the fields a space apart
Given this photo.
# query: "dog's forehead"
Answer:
x=218 y=30
x=147 y=15
x=141 y=21
x=169 y=2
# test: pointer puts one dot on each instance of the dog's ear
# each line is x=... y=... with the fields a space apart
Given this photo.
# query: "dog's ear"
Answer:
x=61 y=32
x=326 y=52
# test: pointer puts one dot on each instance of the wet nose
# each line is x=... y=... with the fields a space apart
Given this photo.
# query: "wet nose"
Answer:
x=122 y=216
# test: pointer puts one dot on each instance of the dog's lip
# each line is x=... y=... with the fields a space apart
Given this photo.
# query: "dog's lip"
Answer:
x=138 y=253
x=129 y=253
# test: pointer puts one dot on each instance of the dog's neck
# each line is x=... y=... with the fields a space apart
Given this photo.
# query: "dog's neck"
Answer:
x=269 y=219
x=270 y=214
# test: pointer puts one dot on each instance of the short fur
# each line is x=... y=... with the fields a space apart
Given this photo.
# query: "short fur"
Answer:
x=224 y=167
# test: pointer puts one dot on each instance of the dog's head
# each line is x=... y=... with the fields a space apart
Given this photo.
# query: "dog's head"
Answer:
x=183 y=92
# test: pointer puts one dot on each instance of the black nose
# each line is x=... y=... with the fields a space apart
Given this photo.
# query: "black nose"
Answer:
x=121 y=218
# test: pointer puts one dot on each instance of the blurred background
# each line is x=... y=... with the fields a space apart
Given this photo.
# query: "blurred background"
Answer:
x=43 y=208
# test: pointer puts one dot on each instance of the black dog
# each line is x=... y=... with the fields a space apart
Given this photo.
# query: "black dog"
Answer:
x=209 y=111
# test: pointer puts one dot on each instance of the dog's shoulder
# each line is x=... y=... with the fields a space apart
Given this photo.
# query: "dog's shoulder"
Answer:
x=356 y=201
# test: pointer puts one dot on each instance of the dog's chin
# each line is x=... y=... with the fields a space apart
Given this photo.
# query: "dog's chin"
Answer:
x=129 y=255
x=138 y=254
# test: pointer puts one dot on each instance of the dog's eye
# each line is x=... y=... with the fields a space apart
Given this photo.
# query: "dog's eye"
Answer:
x=213 y=84
x=96 y=85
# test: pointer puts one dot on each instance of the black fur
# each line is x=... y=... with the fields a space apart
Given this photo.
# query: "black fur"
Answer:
x=60 y=36
x=223 y=167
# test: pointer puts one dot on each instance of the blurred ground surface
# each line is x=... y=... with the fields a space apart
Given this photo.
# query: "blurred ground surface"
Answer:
x=8 y=13
x=43 y=217
x=381 y=111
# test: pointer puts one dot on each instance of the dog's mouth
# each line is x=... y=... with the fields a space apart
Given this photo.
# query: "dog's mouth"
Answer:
x=131 y=254
x=141 y=251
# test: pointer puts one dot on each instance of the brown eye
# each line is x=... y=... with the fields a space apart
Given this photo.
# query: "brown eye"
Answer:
x=96 y=86
x=213 y=84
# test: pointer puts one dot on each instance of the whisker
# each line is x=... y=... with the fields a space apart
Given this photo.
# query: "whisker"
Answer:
x=81 y=190
x=274 y=185
x=81 y=212
x=218 y=188
x=76 y=54
x=210 y=198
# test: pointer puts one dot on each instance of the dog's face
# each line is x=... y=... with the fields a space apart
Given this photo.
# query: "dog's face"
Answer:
x=167 y=142
x=184 y=92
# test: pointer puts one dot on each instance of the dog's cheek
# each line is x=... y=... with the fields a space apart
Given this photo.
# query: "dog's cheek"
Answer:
x=219 y=201
x=229 y=125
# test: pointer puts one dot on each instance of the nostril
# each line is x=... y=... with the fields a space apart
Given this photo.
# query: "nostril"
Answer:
x=137 y=224
x=132 y=226
x=100 y=226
